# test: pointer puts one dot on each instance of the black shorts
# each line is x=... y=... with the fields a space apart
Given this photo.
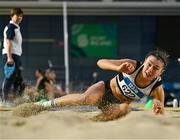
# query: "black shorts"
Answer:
x=108 y=97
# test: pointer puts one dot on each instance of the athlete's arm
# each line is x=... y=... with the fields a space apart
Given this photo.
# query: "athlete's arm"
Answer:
x=158 y=100
x=122 y=65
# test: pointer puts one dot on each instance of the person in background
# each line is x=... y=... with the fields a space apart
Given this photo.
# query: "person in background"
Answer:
x=40 y=79
x=52 y=88
x=11 y=53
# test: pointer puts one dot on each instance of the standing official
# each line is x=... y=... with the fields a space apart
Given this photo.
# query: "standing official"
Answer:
x=11 y=53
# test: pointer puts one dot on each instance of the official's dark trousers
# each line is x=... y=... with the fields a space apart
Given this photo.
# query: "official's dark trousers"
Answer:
x=14 y=83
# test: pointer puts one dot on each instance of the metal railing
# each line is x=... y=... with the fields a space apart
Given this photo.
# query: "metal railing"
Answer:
x=164 y=7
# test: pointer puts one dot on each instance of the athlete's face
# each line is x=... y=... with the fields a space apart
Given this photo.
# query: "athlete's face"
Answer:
x=152 y=68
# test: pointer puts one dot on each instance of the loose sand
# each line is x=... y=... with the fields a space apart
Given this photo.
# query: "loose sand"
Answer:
x=76 y=124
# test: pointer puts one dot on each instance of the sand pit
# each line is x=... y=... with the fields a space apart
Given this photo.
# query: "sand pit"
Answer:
x=76 y=124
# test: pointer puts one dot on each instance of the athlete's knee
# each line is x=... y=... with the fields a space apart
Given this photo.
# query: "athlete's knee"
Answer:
x=100 y=86
x=94 y=93
x=124 y=108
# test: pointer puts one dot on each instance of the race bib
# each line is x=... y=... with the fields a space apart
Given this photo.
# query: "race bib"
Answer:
x=130 y=90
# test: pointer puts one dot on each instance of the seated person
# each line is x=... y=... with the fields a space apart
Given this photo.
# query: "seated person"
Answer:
x=53 y=90
x=40 y=79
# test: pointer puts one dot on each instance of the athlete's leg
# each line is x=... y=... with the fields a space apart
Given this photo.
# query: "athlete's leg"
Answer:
x=112 y=112
x=90 y=97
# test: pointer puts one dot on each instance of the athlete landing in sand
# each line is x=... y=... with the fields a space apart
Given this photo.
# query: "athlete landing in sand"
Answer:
x=133 y=81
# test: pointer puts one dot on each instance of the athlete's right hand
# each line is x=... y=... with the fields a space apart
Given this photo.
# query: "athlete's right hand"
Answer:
x=157 y=107
x=126 y=68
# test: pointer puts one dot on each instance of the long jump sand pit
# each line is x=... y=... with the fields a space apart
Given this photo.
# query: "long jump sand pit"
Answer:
x=75 y=123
